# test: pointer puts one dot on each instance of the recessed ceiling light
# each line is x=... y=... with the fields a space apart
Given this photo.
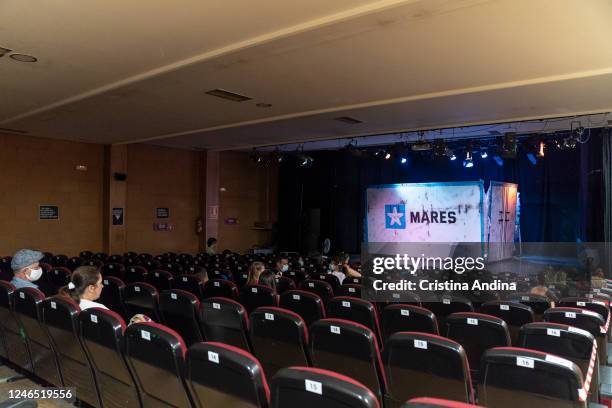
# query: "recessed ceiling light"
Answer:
x=348 y=119
x=81 y=167
x=263 y=105
x=23 y=58
x=232 y=96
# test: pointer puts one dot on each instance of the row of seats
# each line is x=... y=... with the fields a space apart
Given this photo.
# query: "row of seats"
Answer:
x=149 y=364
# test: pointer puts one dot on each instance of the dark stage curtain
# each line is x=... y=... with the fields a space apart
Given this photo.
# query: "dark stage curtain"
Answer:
x=561 y=197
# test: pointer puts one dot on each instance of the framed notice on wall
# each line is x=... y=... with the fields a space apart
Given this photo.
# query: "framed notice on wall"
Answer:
x=48 y=212
x=117 y=216
x=162 y=212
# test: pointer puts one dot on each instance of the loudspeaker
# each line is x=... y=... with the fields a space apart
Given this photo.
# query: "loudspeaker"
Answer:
x=120 y=176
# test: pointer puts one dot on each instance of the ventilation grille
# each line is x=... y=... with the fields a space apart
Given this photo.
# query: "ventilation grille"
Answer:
x=349 y=120
x=231 y=96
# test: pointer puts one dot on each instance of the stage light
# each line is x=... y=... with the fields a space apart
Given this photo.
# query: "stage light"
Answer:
x=468 y=162
x=484 y=152
x=439 y=148
x=353 y=150
x=508 y=146
x=498 y=160
x=304 y=160
x=452 y=156
x=403 y=160
x=387 y=155
x=541 y=148
x=532 y=158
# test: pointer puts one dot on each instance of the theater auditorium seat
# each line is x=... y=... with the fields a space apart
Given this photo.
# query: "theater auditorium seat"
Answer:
x=305 y=387
x=329 y=278
x=74 y=263
x=254 y=296
x=426 y=402
x=191 y=284
x=225 y=321
x=279 y=338
x=514 y=314
x=112 y=295
x=321 y=288
x=134 y=274
x=29 y=309
x=477 y=332
x=156 y=357
x=348 y=348
x=403 y=317
x=220 y=288
x=223 y=376
x=162 y=280
x=179 y=310
x=17 y=349
x=113 y=269
x=349 y=289
x=306 y=304
x=101 y=332
x=296 y=276
x=356 y=310
x=594 y=305
x=284 y=284
x=448 y=305
x=419 y=364
x=61 y=318
x=537 y=303
x=514 y=377
x=141 y=298
x=569 y=342
x=56 y=278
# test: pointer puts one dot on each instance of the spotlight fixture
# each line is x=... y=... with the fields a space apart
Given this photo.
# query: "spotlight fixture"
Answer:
x=278 y=156
x=484 y=153
x=439 y=148
x=403 y=160
x=255 y=156
x=450 y=154
x=401 y=151
x=468 y=161
x=387 y=155
x=498 y=159
x=23 y=58
x=509 y=146
x=352 y=149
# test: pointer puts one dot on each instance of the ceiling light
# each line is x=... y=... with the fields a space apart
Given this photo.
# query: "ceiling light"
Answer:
x=81 y=167
x=468 y=161
x=541 y=149
x=23 y=58
x=231 y=96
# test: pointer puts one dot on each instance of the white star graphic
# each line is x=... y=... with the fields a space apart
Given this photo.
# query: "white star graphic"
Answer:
x=395 y=217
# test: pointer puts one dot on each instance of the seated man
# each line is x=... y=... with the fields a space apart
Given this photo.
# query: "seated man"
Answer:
x=26 y=268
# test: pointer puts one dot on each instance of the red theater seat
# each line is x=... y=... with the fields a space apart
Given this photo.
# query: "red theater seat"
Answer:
x=112 y=295
x=223 y=376
x=356 y=310
x=162 y=280
x=225 y=321
x=113 y=269
x=141 y=298
x=220 y=288
x=403 y=317
x=514 y=314
x=191 y=284
x=254 y=296
x=426 y=402
x=179 y=310
x=284 y=284
x=17 y=351
x=321 y=288
x=304 y=387
x=349 y=289
x=306 y=304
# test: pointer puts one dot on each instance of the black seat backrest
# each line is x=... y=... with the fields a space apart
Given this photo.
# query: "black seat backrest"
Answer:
x=101 y=256
x=101 y=332
x=254 y=296
x=348 y=348
x=141 y=298
x=57 y=277
x=448 y=305
x=537 y=303
x=529 y=378
x=296 y=276
x=279 y=338
x=514 y=314
x=401 y=317
x=593 y=305
x=162 y=280
x=156 y=357
x=225 y=321
x=86 y=255
x=118 y=259
x=419 y=364
x=112 y=295
x=321 y=288
x=305 y=387
x=74 y=263
x=16 y=346
x=59 y=260
x=113 y=269
x=191 y=284
x=61 y=318
x=179 y=310
x=581 y=318
x=151 y=264
x=284 y=284
x=28 y=309
x=356 y=310
x=135 y=274
x=221 y=376
x=477 y=332
x=306 y=304
x=329 y=278
x=220 y=288
x=94 y=262
x=349 y=289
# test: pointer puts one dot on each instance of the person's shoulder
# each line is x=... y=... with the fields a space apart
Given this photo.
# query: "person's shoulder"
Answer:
x=20 y=283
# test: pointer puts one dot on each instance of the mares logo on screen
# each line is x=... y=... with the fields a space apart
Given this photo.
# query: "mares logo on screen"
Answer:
x=395 y=217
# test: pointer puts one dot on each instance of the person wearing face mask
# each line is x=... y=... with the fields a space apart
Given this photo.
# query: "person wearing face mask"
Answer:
x=26 y=268
x=85 y=287
x=211 y=246
x=282 y=265
x=334 y=268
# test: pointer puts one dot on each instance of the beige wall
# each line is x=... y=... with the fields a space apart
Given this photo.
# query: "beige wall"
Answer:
x=162 y=177
x=251 y=196
x=35 y=171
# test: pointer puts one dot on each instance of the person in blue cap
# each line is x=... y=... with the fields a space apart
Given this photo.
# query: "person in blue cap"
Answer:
x=26 y=268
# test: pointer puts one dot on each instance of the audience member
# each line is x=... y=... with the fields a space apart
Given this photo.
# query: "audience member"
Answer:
x=346 y=267
x=282 y=265
x=334 y=268
x=85 y=287
x=211 y=246
x=255 y=271
x=268 y=278
x=26 y=268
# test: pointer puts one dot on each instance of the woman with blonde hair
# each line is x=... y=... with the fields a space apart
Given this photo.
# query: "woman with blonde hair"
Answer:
x=255 y=270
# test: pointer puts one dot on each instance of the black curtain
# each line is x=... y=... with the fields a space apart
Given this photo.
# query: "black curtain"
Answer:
x=561 y=196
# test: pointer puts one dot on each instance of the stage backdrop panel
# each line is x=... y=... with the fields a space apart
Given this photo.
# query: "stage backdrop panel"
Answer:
x=426 y=212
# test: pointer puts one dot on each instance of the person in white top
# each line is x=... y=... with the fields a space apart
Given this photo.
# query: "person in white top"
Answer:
x=85 y=287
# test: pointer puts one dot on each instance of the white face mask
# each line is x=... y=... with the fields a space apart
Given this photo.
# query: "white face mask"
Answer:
x=301 y=263
x=285 y=268
x=35 y=274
